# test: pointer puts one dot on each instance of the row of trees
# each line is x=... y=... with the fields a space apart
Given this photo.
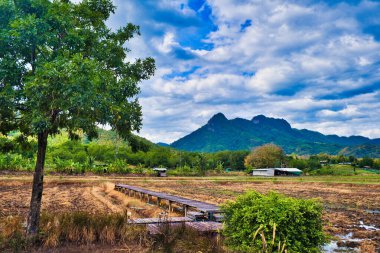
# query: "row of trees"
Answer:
x=100 y=154
x=85 y=155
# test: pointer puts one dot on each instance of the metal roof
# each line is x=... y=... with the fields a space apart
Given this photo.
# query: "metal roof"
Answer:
x=280 y=169
x=160 y=169
x=288 y=169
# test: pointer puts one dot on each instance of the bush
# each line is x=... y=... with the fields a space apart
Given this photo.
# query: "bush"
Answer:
x=184 y=171
x=15 y=162
x=334 y=170
x=69 y=166
x=119 y=166
x=298 y=222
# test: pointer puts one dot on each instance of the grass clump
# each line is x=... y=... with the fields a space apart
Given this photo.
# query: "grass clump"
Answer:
x=178 y=237
x=83 y=228
x=78 y=228
x=108 y=230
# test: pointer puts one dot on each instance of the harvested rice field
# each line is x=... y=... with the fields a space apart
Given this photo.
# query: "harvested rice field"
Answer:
x=352 y=207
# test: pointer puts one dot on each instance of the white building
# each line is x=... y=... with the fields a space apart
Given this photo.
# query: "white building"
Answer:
x=271 y=172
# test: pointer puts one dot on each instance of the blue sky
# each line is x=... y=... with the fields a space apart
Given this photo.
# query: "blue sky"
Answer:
x=313 y=63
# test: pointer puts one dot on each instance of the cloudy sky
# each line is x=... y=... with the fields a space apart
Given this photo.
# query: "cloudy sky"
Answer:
x=313 y=63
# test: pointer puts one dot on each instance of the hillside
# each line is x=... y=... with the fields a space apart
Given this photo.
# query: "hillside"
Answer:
x=241 y=134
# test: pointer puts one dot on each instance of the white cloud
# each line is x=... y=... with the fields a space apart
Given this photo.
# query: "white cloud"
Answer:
x=307 y=63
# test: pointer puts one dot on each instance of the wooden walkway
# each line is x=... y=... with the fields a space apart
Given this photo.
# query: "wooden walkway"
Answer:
x=208 y=226
x=158 y=220
x=199 y=205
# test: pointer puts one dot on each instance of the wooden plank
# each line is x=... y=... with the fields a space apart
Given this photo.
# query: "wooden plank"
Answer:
x=208 y=226
x=158 y=220
x=205 y=226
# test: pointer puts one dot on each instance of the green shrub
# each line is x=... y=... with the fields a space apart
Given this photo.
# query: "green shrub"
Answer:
x=119 y=166
x=299 y=222
x=15 y=162
x=184 y=171
x=69 y=166
x=337 y=170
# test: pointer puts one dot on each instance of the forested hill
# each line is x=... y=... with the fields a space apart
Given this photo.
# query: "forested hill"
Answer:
x=241 y=134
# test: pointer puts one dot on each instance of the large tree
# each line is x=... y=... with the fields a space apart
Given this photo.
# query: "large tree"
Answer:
x=61 y=67
x=266 y=156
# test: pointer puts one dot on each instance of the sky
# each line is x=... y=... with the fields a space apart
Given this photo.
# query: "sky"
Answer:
x=314 y=63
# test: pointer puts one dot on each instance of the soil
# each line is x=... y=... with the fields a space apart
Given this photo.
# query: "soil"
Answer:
x=97 y=197
x=351 y=210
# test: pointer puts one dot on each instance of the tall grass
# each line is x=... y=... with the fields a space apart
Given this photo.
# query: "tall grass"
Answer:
x=77 y=228
x=177 y=237
x=109 y=230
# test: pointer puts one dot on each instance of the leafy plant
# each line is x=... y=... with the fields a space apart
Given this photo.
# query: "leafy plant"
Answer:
x=298 y=222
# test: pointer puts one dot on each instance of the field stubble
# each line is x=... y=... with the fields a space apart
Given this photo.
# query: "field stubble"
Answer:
x=349 y=207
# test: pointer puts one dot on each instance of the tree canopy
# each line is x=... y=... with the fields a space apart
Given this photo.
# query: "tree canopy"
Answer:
x=266 y=156
x=62 y=67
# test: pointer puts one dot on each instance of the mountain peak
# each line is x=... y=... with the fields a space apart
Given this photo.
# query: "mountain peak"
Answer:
x=273 y=122
x=219 y=117
x=221 y=133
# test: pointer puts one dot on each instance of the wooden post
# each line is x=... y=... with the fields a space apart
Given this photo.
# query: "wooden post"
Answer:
x=185 y=209
x=158 y=201
x=141 y=196
x=148 y=198
x=170 y=206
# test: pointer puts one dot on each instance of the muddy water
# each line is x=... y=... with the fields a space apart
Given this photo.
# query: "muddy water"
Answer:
x=349 y=242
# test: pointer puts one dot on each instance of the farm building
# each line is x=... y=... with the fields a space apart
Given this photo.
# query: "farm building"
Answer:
x=271 y=172
x=161 y=172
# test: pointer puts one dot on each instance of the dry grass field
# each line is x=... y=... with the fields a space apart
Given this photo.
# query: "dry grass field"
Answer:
x=351 y=208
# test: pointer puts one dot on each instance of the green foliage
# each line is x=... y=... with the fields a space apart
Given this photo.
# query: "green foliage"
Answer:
x=63 y=68
x=111 y=154
x=69 y=166
x=366 y=161
x=266 y=156
x=298 y=221
x=16 y=162
x=119 y=166
x=219 y=167
x=342 y=170
x=184 y=171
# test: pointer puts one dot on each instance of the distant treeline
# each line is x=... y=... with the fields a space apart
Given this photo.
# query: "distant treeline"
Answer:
x=138 y=155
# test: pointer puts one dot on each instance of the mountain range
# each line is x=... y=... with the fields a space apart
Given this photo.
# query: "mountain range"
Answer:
x=241 y=134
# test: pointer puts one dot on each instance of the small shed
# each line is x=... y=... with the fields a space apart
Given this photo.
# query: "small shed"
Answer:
x=161 y=172
x=271 y=172
x=263 y=172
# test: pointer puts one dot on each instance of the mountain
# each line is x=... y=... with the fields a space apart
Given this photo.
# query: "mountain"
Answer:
x=221 y=133
x=162 y=144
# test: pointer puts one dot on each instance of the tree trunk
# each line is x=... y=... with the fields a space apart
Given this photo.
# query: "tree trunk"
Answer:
x=35 y=202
